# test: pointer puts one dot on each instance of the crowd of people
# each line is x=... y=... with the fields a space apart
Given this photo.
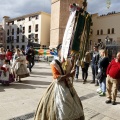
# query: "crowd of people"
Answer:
x=105 y=72
x=14 y=64
x=60 y=101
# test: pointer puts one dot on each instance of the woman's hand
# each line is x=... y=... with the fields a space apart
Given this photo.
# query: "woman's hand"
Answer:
x=72 y=73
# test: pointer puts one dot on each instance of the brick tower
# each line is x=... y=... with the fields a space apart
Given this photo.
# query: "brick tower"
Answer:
x=59 y=17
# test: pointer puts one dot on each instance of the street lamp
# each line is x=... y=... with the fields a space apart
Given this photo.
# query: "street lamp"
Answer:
x=107 y=40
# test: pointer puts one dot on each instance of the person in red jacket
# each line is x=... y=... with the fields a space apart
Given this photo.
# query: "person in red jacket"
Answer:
x=113 y=78
x=8 y=56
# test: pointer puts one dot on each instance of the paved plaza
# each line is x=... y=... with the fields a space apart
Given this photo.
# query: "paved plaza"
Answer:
x=19 y=100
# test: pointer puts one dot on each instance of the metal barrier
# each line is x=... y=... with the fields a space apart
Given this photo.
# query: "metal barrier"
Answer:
x=44 y=58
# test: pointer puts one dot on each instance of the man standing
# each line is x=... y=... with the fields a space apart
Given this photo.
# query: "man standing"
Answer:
x=30 y=57
x=94 y=64
x=113 y=78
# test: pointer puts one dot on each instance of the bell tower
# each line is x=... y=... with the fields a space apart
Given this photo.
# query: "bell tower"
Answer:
x=59 y=17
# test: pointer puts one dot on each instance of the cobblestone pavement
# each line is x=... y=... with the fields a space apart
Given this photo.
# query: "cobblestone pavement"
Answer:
x=19 y=100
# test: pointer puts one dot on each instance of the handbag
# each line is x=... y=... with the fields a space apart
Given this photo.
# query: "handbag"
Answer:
x=100 y=76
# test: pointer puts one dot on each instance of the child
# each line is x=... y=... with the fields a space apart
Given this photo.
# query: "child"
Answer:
x=6 y=76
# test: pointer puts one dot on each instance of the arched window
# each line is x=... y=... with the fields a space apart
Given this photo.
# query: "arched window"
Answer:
x=112 y=30
x=97 y=32
x=108 y=31
x=101 y=32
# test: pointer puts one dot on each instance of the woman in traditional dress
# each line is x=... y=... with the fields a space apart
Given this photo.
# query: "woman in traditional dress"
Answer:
x=19 y=65
x=60 y=102
x=6 y=76
x=2 y=56
x=8 y=56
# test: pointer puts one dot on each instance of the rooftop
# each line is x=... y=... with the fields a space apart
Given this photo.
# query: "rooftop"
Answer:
x=24 y=16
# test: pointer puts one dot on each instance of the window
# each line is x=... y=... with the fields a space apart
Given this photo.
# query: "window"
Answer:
x=36 y=17
x=12 y=22
x=112 y=30
x=17 y=46
x=17 y=39
x=101 y=32
x=36 y=28
x=36 y=37
x=12 y=46
x=1 y=34
x=23 y=47
x=44 y=46
x=13 y=31
x=17 y=30
x=30 y=18
x=23 y=38
x=23 y=30
x=108 y=31
x=29 y=36
x=8 y=40
x=29 y=29
x=97 y=32
x=20 y=29
x=7 y=47
x=7 y=32
x=12 y=40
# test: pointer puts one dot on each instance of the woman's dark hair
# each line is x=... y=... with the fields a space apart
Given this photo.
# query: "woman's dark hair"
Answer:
x=59 y=47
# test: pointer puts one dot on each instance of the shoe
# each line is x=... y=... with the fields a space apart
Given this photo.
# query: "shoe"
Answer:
x=99 y=92
x=102 y=94
x=108 y=101
x=113 y=103
x=83 y=82
x=99 y=89
x=92 y=82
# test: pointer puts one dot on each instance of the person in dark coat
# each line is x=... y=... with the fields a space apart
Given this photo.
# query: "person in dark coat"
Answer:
x=30 y=58
x=102 y=67
x=94 y=64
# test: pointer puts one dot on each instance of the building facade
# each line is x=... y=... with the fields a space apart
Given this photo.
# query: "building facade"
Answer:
x=59 y=17
x=105 y=29
x=2 y=36
x=26 y=30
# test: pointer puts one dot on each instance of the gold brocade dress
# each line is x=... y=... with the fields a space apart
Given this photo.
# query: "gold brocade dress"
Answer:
x=60 y=101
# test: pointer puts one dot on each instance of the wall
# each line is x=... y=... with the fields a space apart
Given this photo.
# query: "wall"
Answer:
x=59 y=17
x=106 y=22
x=45 y=29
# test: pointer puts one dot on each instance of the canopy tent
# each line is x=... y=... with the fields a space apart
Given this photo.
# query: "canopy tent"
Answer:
x=42 y=52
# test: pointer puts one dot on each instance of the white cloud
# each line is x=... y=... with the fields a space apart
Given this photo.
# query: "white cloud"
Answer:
x=100 y=6
x=15 y=8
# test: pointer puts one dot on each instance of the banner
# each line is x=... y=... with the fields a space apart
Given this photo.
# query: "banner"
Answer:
x=68 y=35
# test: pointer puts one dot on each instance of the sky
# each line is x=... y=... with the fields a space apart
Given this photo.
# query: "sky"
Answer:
x=16 y=8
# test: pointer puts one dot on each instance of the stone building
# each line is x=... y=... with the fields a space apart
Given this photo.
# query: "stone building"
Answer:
x=30 y=29
x=105 y=29
x=59 y=17
x=2 y=36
